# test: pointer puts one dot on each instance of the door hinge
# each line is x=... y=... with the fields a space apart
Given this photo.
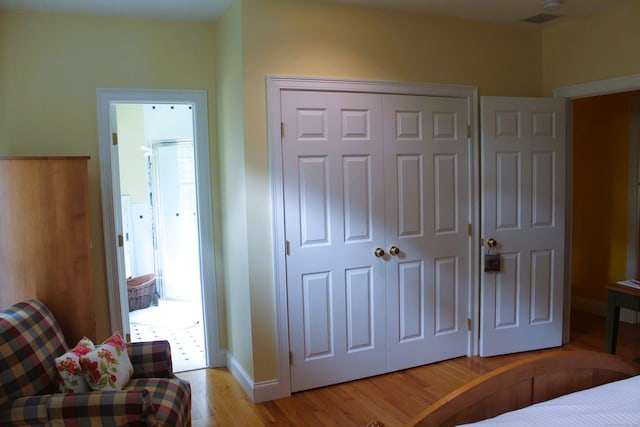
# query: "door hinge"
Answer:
x=290 y=358
x=281 y=129
x=120 y=240
x=468 y=324
x=469 y=229
x=287 y=248
x=468 y=131
x=114 y=138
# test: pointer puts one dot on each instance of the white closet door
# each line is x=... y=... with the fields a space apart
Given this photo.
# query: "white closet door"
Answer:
x=334 y=209
x=367 y=171
x=523 y=193
x=427 y=217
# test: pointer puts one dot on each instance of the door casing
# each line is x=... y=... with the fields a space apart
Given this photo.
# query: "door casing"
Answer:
x=111 y=211
x=275 y=84
x=626 y=83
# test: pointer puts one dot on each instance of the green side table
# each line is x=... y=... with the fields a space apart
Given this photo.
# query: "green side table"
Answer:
x=618 y=296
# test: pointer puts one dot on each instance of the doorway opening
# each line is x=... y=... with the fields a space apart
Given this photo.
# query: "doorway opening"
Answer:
x=158 y=222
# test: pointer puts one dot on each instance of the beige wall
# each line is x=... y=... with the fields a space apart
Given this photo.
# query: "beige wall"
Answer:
x=232 y=170
x=52 y=64
x=49 y=70
x=4 y=140
x=298 y=37
x=599 y=47
x=132 y=164
x=46 y=70
x=596 y=48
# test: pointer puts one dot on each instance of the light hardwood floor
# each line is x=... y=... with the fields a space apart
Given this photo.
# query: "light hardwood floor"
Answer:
x=218 y=400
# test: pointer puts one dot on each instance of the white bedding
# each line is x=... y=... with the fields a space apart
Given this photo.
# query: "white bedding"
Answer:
x=613 y=404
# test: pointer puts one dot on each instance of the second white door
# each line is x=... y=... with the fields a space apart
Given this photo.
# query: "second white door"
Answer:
x=523 y=196
x=367 y=172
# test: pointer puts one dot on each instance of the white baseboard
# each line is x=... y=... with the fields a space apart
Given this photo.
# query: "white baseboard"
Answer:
x=238 y=372
x=258 y=392
x=266 y=390
x=600 y=308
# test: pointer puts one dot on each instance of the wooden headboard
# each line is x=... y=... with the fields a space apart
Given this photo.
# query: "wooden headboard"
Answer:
x=523 y=383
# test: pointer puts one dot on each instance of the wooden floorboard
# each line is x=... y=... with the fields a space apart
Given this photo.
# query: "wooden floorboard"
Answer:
x=218 y=400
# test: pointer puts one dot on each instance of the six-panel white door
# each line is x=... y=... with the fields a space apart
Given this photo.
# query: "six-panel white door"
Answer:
x=523 y=194
x=427 y=213
x=334 y=218
x=365 y=171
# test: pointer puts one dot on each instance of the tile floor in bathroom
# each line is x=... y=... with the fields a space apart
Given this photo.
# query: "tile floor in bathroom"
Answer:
x=179 y=323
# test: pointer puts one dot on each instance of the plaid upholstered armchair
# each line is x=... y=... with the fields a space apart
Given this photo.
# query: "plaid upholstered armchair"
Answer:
x=30 y=342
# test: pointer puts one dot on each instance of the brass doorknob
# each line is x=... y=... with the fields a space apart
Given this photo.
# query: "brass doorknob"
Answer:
x=492 y=242
x=394 y=250
x=379 y=252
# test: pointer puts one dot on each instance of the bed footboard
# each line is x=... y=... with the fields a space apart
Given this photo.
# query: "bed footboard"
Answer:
x=523 y=383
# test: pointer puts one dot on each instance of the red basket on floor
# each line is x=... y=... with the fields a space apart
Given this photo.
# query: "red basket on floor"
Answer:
x=140 y=291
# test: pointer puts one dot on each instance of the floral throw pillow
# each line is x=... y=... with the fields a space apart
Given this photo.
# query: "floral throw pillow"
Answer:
x=70 y=375
x=107 y=367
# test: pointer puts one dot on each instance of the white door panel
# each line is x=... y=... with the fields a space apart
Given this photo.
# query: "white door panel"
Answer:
x=366 y=171
x=426 y=154
x=523 y=182
x=334 y=220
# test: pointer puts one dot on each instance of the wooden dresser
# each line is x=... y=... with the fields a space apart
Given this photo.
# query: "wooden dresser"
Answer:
x=45 y=249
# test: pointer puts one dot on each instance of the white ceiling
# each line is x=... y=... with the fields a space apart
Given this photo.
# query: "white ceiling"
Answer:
x=505 y=11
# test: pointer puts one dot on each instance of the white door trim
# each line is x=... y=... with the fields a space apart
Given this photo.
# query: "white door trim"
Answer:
x=111 y=208
x=276 y=84
x=583 y=90
x=599 y=87
x=633 y=217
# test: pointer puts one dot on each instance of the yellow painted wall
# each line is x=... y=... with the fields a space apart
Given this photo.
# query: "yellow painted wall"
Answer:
x=299 y=37
x=595 y=48
x=599 y=47
x=52 y=64
x=232 y=170
x=132 y=163
x=4 y=141
x=601 y=145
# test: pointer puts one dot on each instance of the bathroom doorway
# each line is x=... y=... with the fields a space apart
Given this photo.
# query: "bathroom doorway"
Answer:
x=119 y=213
x=160 y=228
